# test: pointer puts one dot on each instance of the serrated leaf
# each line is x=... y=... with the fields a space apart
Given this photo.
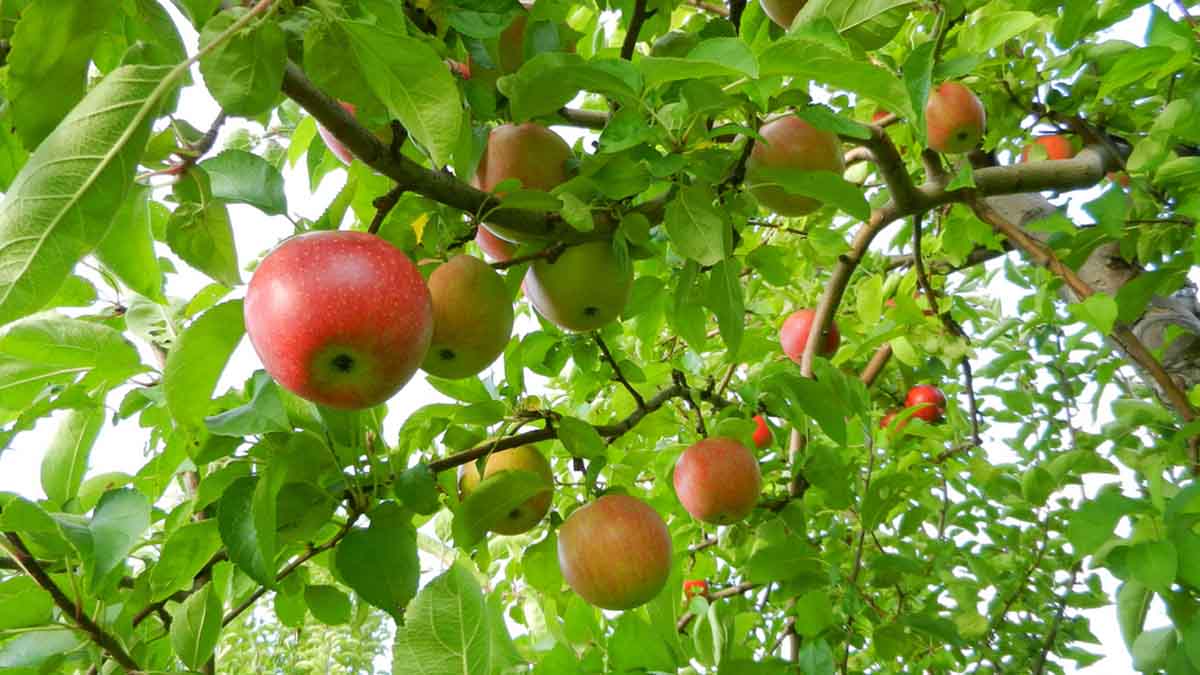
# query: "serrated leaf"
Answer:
x=184 y=553
x=417 y=488
x=815 y=60
x=196 y=627
x=250 y=544
x=869 y=23
x=203 y=236
x=245 y=178
x=380 y=562
x=580 y=438
x=244 y=73
x=263 y=413
x=696 y=228
x=195 y=364
x=551 y=79
x=328 y=604
x=61 y=204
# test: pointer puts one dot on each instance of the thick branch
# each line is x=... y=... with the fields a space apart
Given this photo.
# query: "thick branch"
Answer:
x=72 y=611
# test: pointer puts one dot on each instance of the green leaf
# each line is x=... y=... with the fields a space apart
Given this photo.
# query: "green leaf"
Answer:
x=241 y=177
x=634 y=648
x=37 y=651
x=244 y=73
x=482 y=19
x=869 y=23
x=203 y=237
x=493 y=499
x=813 y=399
x=239 y=519
x=66 y=459
x=448 y=630
x=195 y=364
x=825 y=186
x=580 y=438
x=1154 y=564
x=816 y=658
x=1145 y=64
x=23 y=603
x=698 y=230
x=417 y=488
x=1133 y=603
x=540 y=565
x=1093 y=521
x=815 y=60
x=128 y=249
x=550 y=80
x=61 y=204
x=1152 y=648
x=413 y=83
x=196 y=627
x=264 y=412
x=718 y=57
x=184 y=553
x=918 y=78
x=989 y=31
x=328 y=604
x=1098 y=311
x=724 y=297
x=380 y=563
x=118 y=522
x=51 y=49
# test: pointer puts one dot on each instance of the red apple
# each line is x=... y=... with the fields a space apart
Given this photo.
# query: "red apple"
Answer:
x=931 y=400
x=530 y=153
x=335 y=146
x=494 y=247
x=718 y=481
x=339 y=318
x=615 y=552
x=472 y=318
x=1056 y=146
x=521 y=458
x=794 y=335
x=791 y=143
x=694 y=587
x=762 y=432
x=955 y=119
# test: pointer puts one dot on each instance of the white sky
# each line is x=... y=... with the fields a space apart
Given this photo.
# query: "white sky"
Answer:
x=122 y=448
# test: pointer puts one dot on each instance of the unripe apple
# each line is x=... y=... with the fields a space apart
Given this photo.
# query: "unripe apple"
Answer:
x=521 y=458
x=718 y=481
x=335 y=146
x=581 y=290
x=955 y=119
x=530 y=153
x=931 y=400
x=782 y=12
x=494 y=247
x=791 y=143
x=694 y=587
x=762 y=432
x=615 y=552
x=472 y=318
x=339 y=318
x=793 y=336
x=1056 y=146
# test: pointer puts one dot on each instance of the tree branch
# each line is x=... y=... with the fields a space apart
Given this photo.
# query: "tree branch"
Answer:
x=635 y=27
x=1039 y=664
x=641 y=402
x=688 y=617
x=72 y=611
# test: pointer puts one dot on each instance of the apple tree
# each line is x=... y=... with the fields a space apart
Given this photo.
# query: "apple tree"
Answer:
x=766 y=337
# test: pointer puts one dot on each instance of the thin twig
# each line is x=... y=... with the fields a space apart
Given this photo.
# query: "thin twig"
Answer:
x=73 y=612
x=972 y=403
x=736 y=7
x=687 y=618
x=641 y=402
x=635 y=27
x=383 y=206
x=686 y=394
x=1039 y=664
x=858 y=554
x=549 y=254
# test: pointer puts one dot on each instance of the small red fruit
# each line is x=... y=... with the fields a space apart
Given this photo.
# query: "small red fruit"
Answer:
x=1056 y=146
x=494 y=247
x=335 y=146
x=339 y=318
x=762 y=432
x=931 y=402
x=694 y=587
x=955 y=119
x=793 y=336
x=879 y=116
x=718 y=481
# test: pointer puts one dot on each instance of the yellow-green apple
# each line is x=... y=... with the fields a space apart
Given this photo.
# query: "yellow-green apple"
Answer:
x=955 y=119
x=530 y=153
x=615 y=552
x=929 y=400
x=793 y=336
x=762 y=432
x=1055 y=146
x=521 y=458
x=335 y=146
x=582 y=289
x=339 y=318
x=492 y=246
x=782 y=12
x=791 y=143
x=718 y=481
x=472 y=318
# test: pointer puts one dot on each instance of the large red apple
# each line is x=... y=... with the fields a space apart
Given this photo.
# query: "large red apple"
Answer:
x=521 y=458
x=782 y=12
x=339 y=318
x=335 y=146
x=530 y=153
x=1055 y=146
x=718 y=481
x=791 y=143
x=955 y=119
x=762 y=432
x=931 y=400
x=615 y=552
x=472 y=318
x=793 y=336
